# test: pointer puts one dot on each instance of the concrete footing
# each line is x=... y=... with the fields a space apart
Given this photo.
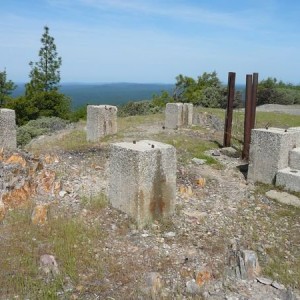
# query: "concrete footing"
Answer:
x=294 y=159
x=8 y=133
x=101 y=121
x=269 y=152
x=142 y=180
x=289 y=179
x=275 y=157
x=178 y=115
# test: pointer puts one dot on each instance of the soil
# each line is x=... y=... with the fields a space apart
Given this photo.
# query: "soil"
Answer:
x=185 y=256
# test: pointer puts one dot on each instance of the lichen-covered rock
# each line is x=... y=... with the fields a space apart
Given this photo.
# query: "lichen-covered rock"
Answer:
x=39 y=214
x=24 y=176
x=49 y=265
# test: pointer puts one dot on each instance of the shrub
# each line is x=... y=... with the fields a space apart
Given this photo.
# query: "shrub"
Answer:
x=38 y=127
x=136 y=108
x=78 y=114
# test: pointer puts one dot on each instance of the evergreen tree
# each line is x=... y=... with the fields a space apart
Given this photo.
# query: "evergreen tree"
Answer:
x=45 y=74
x=6 y=87
x=42 y=92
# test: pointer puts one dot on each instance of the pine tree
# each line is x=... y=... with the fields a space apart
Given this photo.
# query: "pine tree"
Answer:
x=45 y=74
x=6 y=87
x=42 y=92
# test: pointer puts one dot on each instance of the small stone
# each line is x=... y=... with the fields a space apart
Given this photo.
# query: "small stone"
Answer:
x=203 y=275
x=264 y=280
x=169 y=234
x=49 y=265
x=166 y=246
x=252 y=267
x=198 y=161
x=216 y=153
x=229 y=151
x=192 y=287
x=278 y=285
x=232 y=298
x=62 y=194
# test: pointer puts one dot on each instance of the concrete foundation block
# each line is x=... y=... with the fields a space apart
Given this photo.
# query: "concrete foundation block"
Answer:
x=142 y=180
x=178 y=115
x=188 y=114
x=296 y=129
x=174 y=115
x=269 y=152
x=289 y=179
x=294 y=159
x=101 y=121
x=8 y=132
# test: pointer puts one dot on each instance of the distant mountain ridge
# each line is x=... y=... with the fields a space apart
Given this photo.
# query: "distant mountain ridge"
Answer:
x=106 y=93
x=110 y=93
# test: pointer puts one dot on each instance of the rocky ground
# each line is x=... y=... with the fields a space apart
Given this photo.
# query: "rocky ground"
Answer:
x=197 y=253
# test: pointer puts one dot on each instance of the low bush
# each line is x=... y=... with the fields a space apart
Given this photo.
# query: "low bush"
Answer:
x=131 y=108
x=38 y=127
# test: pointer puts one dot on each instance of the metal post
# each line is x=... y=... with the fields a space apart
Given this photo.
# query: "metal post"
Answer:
x=248 y=118
x=253 y=99
x=229 y=111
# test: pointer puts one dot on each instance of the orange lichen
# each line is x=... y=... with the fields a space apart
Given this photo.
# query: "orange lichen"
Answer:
x=16 y=159
x=39 y=214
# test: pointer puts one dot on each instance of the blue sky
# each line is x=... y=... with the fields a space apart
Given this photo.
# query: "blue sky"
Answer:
x=154 y=40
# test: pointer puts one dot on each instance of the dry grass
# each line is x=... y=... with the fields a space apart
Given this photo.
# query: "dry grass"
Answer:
x=275 y=228
x=22 y=243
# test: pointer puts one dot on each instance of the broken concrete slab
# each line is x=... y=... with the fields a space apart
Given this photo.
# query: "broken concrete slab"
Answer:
x=284 y=198
x=289 y=179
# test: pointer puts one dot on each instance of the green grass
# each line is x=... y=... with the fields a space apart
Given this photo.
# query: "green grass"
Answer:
x=276 y=120
x=273 y=119
x=125 y=123
x=283 y=248
x=94 y=203
x=189 y=147
x=70 y=240
x=282 y=269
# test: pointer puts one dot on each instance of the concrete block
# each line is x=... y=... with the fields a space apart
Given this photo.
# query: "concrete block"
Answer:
x=178 y=115
x=8 y=132
x=142 y=179
x=294 y=158
x=269 y=152
x=174 y=115
x=101 y=121
x=296 y=129
x=289 y=179
x=188 y=114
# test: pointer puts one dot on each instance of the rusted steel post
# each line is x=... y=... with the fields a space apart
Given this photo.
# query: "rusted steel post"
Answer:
x=229 y=111
x=253 y=99
x=248 y=118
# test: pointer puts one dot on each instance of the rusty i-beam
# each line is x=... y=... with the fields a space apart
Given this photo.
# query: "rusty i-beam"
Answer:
x=229 y=111
x=250 y=112
x=253 y=99
x=247 y=119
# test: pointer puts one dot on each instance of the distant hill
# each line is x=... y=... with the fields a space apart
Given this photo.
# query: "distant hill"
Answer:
x=111 y=93
x=108 y=93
